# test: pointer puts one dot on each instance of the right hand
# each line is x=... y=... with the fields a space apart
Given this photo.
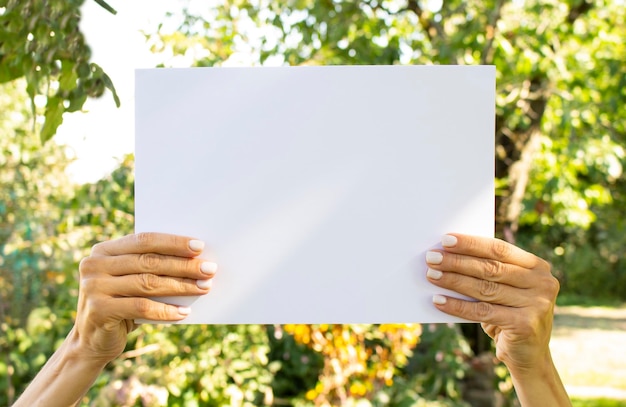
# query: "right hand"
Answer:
x=516 y=293
x=119 y=276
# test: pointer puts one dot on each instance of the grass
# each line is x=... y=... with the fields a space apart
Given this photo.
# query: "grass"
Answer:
x=587 y=346
x=578 y=402
x=565 y=299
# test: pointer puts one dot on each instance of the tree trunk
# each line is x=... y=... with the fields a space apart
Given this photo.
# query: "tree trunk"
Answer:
x=515 y=151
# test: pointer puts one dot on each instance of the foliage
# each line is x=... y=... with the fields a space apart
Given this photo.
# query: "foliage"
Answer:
x=36 y=301
x=197 y=365
x=103 y=210
x=602 y=402
x=574 y=205
x=588 y=302
x=46 y=227
x=544 y=53
x=450 y=360
x=300 y=365
x=33 y=187
x=559 y=137
x=41 y=41
x=560 y=123
x=360 y=361
x=200 y=365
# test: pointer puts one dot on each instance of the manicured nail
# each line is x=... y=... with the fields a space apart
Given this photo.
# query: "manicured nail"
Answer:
x=439 y=299
x=208 y=267
x=449 y=241
x=434 y=257
x=434 y=274
x=184 y=310
x=204 y=284
x=196 y=245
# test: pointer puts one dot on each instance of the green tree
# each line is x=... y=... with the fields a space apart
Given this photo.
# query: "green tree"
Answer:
x=560 y=70
x=44 y=231
x=41 y=41
x=36 y=302
x=559 y=122
x=47 y=225
x=559 y=132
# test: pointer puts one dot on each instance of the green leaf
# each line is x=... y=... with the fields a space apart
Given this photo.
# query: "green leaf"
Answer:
x=53 y=118
x=9 y=72
x=77 y=100
x=68 y=77
x=106 y=6
x=108 y=83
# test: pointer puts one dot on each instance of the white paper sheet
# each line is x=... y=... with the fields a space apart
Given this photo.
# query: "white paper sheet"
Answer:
x=317 y=190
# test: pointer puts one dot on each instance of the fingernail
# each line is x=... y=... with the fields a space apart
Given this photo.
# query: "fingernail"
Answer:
x=196 y=245
x=184 y=310
x=208 y=267
x=434 y=257
x=439 y=299
x=204 y=284
x=449 y=241
x=434 y=274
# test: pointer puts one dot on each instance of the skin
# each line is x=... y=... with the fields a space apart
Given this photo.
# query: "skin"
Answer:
x=516 y=293
x=114 y=281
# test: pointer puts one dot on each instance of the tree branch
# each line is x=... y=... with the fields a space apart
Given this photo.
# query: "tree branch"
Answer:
x=519 y=174
x=141 y=351
x=431 y=27
x=515 y=157
x=578 y=10
x=487 y=54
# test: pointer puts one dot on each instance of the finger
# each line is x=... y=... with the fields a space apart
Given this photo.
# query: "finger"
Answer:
x=489 y=248
x=130 y=308
x=482 y=290
x=148 y=263
x=150 y=285
x=477 y=311
x=139 y=243
x=496 y=319
x=481 y=268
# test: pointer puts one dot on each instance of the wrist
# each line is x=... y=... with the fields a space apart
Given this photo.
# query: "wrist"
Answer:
x=65 y=378
x=539 y=384
x=541 y=368
x=78 y=353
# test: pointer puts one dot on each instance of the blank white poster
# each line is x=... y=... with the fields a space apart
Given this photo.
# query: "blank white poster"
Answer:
x=317 y=190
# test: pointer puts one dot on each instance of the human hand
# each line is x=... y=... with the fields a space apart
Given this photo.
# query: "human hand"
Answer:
x=119 y=276
x=515 y=290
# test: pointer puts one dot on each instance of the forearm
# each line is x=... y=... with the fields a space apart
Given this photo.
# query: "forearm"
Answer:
x=540 y=386
x=63 y=380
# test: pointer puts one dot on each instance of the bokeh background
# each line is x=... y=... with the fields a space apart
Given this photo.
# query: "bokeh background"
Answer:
x=66 y=182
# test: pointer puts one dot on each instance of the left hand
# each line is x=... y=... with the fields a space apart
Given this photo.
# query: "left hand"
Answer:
x=118 y=280
x=514 y=289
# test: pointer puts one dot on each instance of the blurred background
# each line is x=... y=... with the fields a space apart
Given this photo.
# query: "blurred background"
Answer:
x=66 y=182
